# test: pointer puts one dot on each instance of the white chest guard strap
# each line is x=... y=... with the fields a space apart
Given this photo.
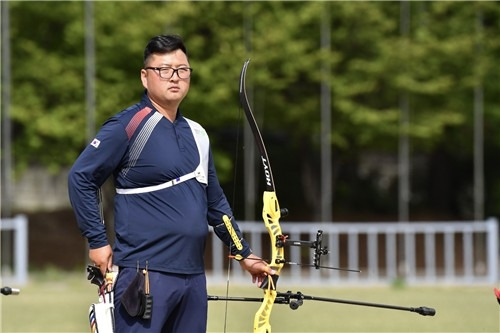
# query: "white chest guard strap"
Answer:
x=200 y=173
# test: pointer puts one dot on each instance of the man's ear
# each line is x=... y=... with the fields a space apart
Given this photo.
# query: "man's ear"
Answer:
x=144 y=80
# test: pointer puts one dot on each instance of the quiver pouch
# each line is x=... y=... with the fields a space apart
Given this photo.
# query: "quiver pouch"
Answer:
x=134 y=297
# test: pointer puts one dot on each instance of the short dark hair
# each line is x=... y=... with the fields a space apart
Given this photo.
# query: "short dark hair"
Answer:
x=164 y=44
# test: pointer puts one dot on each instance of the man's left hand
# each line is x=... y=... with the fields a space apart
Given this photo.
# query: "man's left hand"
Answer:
x=257 y=267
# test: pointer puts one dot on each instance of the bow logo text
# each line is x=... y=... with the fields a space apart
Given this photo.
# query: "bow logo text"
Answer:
x=266 y=171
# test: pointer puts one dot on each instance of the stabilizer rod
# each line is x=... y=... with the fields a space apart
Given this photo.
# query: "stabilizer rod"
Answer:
x=235 y=298
x=423 y=310
x=295 y=300
x=9 y=291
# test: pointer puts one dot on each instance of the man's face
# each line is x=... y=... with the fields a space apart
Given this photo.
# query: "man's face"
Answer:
x=166 y=92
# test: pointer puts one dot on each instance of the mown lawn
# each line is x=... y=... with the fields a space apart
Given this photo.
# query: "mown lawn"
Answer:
x=57 y=302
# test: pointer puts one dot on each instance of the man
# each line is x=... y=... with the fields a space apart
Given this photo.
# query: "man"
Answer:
x=167 y=195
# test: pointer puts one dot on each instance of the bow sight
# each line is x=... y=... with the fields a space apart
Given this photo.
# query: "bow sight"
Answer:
x=319 y=250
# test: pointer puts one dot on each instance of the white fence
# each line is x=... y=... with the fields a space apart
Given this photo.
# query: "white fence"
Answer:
x=421 y=253
x=17 y=274
x=463 y=252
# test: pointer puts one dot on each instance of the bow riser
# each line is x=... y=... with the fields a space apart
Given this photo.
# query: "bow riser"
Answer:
x=261 y=320
x=271 y=215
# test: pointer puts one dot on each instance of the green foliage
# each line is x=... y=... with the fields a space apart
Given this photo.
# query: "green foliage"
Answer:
x=47 y=82
x=371 y=63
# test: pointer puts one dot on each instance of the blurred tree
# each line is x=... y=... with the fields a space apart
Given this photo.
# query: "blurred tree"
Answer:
x=47 y=82
x=371 y=65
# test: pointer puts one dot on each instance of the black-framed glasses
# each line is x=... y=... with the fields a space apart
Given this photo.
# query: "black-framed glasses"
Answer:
x=168 y=72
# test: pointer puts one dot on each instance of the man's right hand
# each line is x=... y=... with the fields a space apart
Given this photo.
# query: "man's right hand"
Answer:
x=102 y=257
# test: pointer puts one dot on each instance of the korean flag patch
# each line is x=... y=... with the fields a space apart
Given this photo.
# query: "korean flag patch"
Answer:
x=95 y=143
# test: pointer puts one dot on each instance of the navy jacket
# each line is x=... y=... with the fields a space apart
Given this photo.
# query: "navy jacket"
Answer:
x=167 y=227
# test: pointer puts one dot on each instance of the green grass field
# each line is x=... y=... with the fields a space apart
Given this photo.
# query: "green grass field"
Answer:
x=56 y=302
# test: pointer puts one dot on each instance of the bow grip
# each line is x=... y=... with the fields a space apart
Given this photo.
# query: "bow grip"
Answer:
x=265 y=283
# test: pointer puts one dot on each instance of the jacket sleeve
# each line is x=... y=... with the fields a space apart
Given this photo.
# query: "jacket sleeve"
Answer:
x=91 y=169
x=218 y=206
